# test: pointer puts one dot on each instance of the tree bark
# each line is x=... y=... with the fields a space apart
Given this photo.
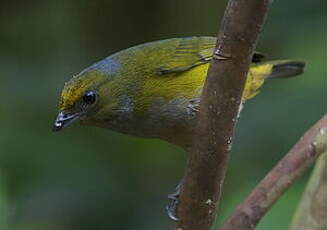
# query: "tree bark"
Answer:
x=219 y=108
x=281 y=177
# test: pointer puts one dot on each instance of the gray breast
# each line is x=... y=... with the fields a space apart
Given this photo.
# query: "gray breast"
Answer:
x=163 y=118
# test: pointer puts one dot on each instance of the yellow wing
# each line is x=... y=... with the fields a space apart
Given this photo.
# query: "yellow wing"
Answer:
x=194 y=51
x=183 y=63
x=191 y=52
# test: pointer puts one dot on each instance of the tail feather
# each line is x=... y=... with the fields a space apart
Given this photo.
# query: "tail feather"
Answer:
x=261 y=71
x=286 y=69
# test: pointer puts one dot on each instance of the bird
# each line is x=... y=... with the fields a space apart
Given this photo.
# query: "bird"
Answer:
x=153 y=90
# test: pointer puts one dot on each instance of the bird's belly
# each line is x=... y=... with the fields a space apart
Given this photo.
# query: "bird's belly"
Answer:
x=171 y=121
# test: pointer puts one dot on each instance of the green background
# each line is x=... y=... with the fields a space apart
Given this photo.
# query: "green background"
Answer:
x=90 y=178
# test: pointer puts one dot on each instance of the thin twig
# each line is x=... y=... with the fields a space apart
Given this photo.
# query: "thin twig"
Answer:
x=280 y=178
x=219 y=107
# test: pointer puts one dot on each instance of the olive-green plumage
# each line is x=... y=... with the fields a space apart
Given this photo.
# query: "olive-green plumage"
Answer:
x=152 y=90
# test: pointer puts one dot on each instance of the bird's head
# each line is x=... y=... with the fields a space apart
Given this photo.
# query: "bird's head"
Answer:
x=79 y=99
x=93 y=96
x=89 y=95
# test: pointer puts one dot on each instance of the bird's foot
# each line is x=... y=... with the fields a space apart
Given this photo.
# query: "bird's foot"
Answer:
x=171 y=208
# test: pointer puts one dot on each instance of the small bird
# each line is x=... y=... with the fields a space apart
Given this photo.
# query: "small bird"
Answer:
x=153 y=90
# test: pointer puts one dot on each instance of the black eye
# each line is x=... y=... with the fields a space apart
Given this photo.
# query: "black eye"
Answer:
x=90 y=97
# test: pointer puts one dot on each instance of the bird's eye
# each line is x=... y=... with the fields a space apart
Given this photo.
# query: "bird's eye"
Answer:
x=90 y=97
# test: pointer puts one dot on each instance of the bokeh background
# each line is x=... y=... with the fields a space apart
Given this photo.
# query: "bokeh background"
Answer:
x=89 y=178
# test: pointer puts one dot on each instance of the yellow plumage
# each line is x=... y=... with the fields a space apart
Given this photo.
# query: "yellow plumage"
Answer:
x=153 y=90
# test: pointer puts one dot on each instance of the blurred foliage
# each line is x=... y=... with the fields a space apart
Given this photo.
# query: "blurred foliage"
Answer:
x=89 y=178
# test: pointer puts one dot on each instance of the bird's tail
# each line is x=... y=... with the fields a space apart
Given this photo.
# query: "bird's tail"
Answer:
x=285 y=68
x=261 y=71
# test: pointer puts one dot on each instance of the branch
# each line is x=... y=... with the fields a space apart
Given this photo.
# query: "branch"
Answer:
x=219 y=107
x=280 y=178
x=312 y=211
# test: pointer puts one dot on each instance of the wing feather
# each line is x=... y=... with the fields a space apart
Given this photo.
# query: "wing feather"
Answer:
x=191 y=52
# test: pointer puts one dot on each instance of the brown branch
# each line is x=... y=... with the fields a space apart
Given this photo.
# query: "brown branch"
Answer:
x=281 y=177
x=219 y=107
x=312 y=211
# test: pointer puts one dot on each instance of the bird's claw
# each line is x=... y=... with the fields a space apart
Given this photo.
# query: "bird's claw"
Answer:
x=171 y=208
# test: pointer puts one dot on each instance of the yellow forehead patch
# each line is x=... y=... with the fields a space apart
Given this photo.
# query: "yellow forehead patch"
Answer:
x=76 y=88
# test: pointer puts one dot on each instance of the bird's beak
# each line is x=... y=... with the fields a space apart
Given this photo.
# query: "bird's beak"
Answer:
x=64 y=119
